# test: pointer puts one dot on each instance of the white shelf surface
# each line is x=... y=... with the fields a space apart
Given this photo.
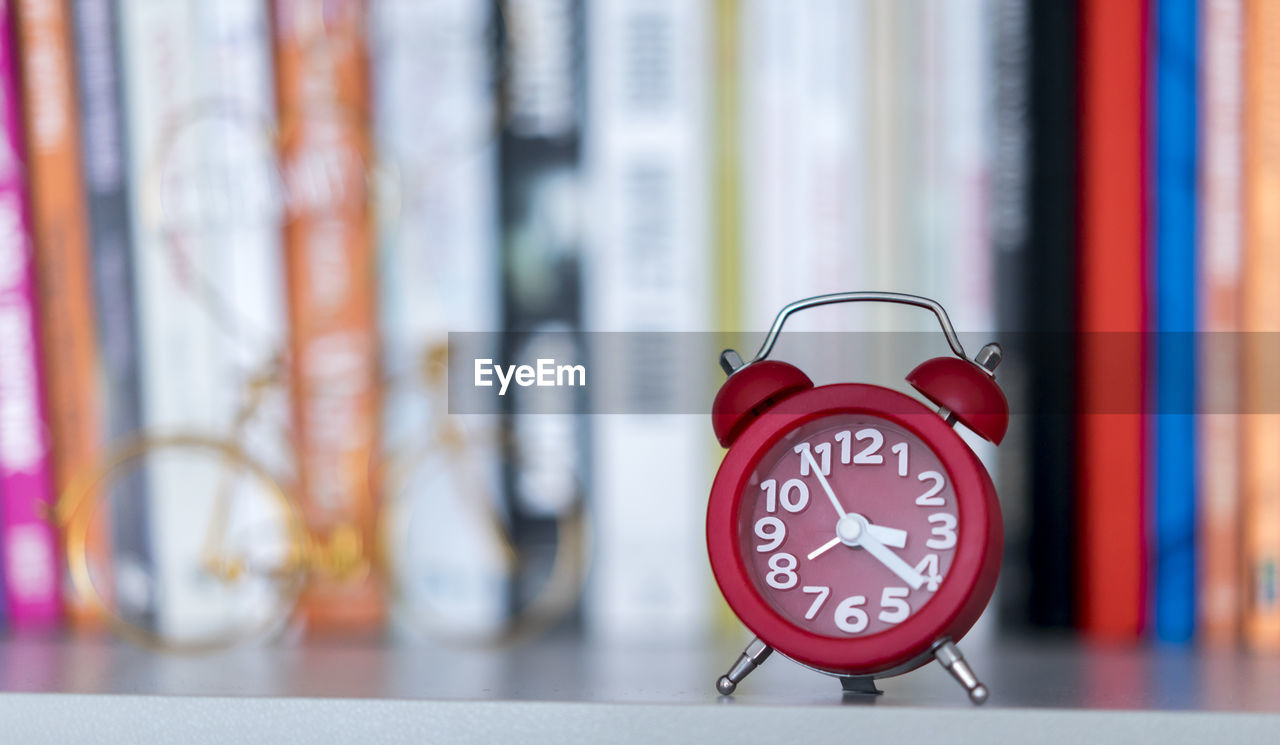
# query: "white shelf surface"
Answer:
x=563 y=691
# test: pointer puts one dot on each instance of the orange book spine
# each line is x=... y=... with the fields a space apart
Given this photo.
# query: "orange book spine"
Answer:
x=1112 y=316
x=1260 y=424
x=62 y=260
x=1220 y=259
x=326 y=152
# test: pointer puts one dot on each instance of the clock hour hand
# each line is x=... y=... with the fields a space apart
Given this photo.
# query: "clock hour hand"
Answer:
x=893 y=537
x=891 y=560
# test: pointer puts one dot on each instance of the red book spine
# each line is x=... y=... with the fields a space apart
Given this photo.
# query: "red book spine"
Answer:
x=1111 y=445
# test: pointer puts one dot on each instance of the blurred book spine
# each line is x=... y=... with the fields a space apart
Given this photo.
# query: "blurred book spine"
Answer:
x=206 y=277
x=238 y=201
x=957 y=242
x=1052 y=319
x=1260 y=317
x=435 y=115
x=803 y=159
x=1112 y=441
x=960 y=248
x=888 y=67
x=923 y=38
x=1218 y=366
x=726 y=198
x=174 y=361
x=727 y=183
x=326 y=151
x=106 y=192
x=1008 y=212
x=1174 y=235
x=546 y=469
x=27 y=539
x=62 y=250
x=645 y=292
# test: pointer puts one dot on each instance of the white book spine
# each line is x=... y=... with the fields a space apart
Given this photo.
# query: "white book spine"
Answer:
x=436 y=131
x=648 y=270
x=207 y=274
x=1221 y=249
x=967 y=116
x=804 y=165
x=963 y=242
x=241 y=251
x=158 y=84
x=774 y=258
x=882 y=144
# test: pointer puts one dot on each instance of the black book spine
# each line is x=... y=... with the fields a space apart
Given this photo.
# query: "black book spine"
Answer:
x=1050 y=303
x=540 y=153
x=1010 y=72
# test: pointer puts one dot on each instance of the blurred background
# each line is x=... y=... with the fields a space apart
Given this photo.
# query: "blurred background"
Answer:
x=245 y=242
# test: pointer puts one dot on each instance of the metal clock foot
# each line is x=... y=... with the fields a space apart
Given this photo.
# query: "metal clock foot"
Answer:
x=950 y=658
x=860 y=685
x=752 y=657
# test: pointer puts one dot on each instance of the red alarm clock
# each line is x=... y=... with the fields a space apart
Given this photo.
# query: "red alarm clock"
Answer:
x=850 y=527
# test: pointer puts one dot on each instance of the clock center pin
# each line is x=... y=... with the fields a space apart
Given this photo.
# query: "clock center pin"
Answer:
x=849 y=529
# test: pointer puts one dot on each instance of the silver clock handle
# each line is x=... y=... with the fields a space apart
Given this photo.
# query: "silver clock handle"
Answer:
x=861 y=297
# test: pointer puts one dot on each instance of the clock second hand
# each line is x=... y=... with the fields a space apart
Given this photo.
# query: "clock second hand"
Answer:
x=823 y=548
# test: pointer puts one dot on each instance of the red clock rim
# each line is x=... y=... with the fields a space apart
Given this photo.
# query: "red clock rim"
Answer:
x=941 y=617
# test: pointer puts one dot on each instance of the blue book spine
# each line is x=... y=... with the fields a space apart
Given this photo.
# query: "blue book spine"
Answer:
x=106 y=191
x=1175 y=233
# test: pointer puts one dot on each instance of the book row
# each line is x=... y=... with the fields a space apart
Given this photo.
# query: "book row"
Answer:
x=239 y=234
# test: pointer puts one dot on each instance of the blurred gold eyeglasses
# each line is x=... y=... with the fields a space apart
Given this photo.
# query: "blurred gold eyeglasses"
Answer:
x=241 y=574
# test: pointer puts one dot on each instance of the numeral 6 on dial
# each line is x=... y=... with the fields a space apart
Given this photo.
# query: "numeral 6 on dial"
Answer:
x=850 y=618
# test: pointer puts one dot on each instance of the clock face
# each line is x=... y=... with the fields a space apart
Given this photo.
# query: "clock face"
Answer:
x=848 y=526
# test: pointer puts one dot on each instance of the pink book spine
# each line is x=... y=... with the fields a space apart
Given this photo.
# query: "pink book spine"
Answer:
x=28 y=542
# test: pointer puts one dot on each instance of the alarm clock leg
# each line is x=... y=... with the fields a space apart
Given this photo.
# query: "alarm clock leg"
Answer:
x=752 y=657
x=948 y=655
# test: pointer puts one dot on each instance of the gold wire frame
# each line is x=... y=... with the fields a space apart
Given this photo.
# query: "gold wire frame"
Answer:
x=85 y=496
x=448 y=445
x=551 y=603
x=382 y=185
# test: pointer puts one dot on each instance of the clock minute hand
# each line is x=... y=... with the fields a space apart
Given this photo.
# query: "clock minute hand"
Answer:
x=826 y=487
x=891 y=560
